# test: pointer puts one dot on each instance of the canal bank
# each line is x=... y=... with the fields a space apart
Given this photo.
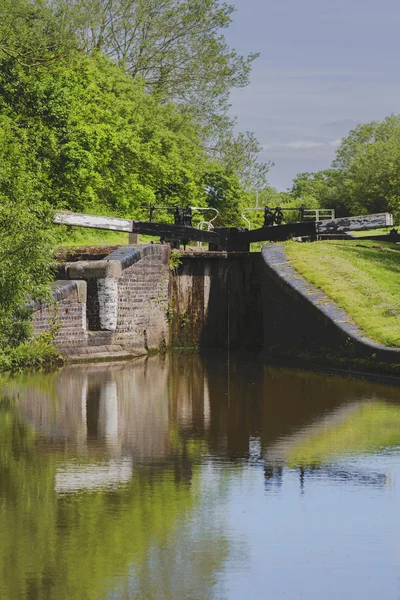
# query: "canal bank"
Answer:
x=133 y=302
x=259 y=303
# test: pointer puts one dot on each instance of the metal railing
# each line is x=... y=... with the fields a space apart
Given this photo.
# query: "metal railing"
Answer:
x=206 y=209
x=183 y=215
x=318 y=214
x=274 y=215
x=208 y=224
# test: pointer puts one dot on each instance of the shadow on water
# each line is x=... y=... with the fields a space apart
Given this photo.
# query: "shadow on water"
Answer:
x=102 y=467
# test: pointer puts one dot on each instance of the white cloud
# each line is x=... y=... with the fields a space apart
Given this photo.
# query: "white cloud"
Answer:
x=302 y=144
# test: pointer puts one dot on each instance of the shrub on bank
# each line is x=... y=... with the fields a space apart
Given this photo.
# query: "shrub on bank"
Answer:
x=38 y=354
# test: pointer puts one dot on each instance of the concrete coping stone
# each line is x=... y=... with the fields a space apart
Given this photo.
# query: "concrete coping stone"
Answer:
x=129 y=255
x=60 y=290
x=274 y=256
x=113 y=264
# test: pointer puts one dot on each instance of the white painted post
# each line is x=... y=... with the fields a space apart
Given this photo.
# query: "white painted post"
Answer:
x=107 y=291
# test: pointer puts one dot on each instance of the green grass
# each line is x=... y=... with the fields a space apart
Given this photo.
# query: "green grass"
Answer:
x=363 y=277
x=382 y=231
x=93 y=237
x=99 y=237
x=80 y=237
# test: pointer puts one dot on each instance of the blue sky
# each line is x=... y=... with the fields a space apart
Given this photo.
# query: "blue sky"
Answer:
x=324 y=68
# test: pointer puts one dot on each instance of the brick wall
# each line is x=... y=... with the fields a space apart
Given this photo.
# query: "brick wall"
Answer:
x=143 y=303
x=124 y=307
x=68 y=312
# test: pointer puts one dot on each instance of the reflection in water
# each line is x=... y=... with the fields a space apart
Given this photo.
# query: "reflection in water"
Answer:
x=155 y=479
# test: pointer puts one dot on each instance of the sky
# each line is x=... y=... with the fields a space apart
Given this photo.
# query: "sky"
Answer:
x=325 y=66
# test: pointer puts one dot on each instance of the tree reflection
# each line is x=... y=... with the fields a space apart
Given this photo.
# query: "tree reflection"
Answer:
x=78 y=545
x=113 y=480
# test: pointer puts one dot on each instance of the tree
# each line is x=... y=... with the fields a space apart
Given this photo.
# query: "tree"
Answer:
x=239 y=153
x=33 y=34
x=171 y=49
x=102 y=143
x=363 y=135
x=224 y=192
x=311 y=185
x=25 y=235
x=322 y=189
x=365 y=175
x=373 y=180
x=176 y=46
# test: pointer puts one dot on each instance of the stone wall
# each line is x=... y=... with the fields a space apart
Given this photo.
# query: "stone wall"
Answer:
x=130 y=302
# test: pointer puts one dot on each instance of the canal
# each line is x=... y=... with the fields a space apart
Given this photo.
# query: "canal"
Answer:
x=191 y=478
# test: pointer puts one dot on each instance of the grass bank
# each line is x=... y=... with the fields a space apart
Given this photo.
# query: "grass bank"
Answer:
x=382 y=231
x=362 y=276
x=92 y=237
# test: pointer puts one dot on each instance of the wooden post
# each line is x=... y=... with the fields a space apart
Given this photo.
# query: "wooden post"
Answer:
x=133 y=238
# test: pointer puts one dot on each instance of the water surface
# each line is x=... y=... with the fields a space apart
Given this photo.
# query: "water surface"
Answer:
x=190 y=478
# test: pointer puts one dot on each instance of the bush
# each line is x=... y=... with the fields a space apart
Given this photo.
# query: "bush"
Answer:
x=38 y=354
x=25 y=234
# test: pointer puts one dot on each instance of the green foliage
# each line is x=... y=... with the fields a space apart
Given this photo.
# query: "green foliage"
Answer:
x=365 y=175
x=175 y=46
x=87 y=132
x=188 y=63
x=223 y=191
x=71 y=237
x=102 y=143
x=174 y=261
x=33 y=34
x=38 y=355
x=239 y=154
x=315 y=189
x=25 y=234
